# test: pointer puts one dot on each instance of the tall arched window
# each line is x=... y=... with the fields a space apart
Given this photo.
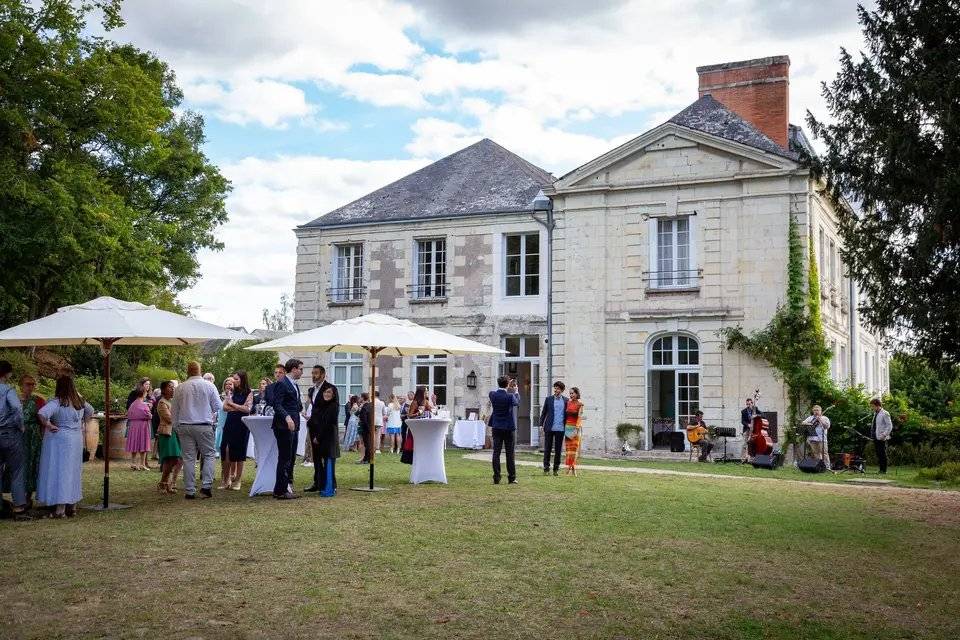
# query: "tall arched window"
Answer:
x=673 y=388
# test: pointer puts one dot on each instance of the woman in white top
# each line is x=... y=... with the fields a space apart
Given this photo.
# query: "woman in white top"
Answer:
x=394 y=423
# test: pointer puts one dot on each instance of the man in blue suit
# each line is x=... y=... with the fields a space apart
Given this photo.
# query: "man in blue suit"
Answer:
x=287 y=406
x=503 y=425
x=552 y=422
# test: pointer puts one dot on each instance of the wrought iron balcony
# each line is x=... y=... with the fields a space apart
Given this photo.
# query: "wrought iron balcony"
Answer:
x=680 y=279
x=434 y=292
x=346 y=295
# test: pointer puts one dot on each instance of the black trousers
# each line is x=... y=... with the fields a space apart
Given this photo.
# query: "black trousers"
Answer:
x=552 y=440
x=504 y=438
x=880 y=446
x=286 y=449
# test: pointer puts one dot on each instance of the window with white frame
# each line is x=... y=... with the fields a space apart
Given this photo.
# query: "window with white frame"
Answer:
x=347 y=375
x=522 y=264
x=431 y=372
x=822 y=255
x=843 y=361
x=348 y=273
x=833 y=263
x=673 y=253
x=430 y=269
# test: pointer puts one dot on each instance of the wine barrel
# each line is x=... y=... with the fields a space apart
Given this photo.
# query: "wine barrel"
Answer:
x=118 y=438
x=92 y=437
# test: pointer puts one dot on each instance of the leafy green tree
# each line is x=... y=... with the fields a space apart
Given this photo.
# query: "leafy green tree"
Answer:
x=933 y=391
x=257 y=364
x=103 y=187
x=894 y=146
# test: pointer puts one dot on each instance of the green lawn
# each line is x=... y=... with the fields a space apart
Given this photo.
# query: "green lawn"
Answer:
x=605 y=555
x=898 y=476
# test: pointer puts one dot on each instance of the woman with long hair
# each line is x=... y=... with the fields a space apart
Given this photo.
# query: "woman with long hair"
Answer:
x=351 y=423
x=168 y=444
x=32 y=432
x=225 y=395
x=236 y=436
x=572 y=428
x=420 y=407
x=139 y=414
x=394 y=423
x=323 y=426
x=60 y=483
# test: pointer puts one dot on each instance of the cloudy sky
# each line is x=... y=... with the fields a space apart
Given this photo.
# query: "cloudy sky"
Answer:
x=310 y=104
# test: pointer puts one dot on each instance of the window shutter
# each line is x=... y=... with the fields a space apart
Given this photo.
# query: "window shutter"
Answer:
x=652 y=260
x=694 y=257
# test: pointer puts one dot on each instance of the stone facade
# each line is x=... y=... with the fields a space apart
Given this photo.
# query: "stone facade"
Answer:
x=710 y=199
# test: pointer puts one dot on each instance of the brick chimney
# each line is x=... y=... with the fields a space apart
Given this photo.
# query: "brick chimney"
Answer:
x=756 y=90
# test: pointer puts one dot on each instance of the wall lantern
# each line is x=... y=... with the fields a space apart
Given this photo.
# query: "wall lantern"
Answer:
x=471 y=380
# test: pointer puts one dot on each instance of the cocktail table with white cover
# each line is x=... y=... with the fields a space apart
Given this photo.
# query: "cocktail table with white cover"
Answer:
x=429 y=435
x=469 y=434
x=264 y=445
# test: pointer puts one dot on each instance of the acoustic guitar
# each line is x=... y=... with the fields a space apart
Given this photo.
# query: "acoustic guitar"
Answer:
x=696 y=433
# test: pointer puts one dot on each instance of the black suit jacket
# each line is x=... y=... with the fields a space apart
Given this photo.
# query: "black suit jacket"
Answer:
x=546 y=413
x=317 y=403
x=285 y=400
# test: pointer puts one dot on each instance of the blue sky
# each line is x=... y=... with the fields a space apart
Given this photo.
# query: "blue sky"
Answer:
x=310 y=104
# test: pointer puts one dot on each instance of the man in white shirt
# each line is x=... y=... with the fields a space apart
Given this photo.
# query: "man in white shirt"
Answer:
x=380 y=415
x=195 y=402
x=817 y=439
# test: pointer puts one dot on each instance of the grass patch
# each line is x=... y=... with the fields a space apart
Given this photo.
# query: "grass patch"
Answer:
x=600 y=556
x=905 y=476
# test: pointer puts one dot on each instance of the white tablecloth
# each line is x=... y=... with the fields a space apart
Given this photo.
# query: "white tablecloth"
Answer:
x=469 y=434
x=263 y=449
x=429 y=435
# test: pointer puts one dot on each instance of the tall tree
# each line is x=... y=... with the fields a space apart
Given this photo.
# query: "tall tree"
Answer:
x=103 y=186
x=894 y=146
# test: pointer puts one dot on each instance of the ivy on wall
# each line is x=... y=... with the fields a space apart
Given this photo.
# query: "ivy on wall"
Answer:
x=793 y=342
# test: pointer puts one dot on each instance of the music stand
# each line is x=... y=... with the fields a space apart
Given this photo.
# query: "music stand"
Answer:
x=725 y=432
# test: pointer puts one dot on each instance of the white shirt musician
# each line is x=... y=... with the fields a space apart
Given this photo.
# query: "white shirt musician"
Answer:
x=817 y=434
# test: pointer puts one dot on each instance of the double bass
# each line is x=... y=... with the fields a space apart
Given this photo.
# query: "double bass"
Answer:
x=760 y=443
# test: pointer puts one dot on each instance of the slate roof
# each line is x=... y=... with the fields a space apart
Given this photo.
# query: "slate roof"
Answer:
x=481 y=178
x=708 y=115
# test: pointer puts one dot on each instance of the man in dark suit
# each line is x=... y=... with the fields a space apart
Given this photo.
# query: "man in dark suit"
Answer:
x=551 y=422
x=315 y=395
x=746 y=421
x=503 y=425
x=286 y=419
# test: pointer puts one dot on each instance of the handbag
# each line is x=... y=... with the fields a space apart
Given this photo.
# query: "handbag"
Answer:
x=569 y=431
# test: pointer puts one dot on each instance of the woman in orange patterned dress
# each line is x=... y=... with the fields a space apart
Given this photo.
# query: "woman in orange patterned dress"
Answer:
x=572 y=426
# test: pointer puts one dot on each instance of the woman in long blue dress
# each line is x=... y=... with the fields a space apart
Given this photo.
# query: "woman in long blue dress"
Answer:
x=60 y=481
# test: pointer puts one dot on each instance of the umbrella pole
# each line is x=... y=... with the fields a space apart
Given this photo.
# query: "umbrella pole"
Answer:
x=106 y=432
x=371 y=449
x=106 y=345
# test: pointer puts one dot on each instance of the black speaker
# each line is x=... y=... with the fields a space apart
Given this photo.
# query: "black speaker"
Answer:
x=812 y=465
x=771 y=461
x=676 y=442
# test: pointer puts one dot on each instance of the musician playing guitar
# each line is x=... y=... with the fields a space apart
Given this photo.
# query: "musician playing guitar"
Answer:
x=697 y=433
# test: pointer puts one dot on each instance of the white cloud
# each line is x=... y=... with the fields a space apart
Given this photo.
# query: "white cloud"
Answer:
x=266 y=102
x=270 y=197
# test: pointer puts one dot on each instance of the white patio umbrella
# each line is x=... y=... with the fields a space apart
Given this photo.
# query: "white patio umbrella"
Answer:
x=108 y=322
x=376 y=334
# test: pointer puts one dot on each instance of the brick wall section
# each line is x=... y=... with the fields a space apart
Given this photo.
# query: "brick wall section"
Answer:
x=757 y=90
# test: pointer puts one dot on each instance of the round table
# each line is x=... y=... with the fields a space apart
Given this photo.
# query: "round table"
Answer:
x=429 y=436
x=469 y=434
x=263 y=449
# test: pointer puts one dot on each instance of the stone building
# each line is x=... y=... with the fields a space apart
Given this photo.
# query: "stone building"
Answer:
x=658 y=244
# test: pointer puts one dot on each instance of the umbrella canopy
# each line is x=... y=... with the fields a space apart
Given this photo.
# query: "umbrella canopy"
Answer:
x=120 y=321
x=107 y=322
x=388 y=335
x=376 y=334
